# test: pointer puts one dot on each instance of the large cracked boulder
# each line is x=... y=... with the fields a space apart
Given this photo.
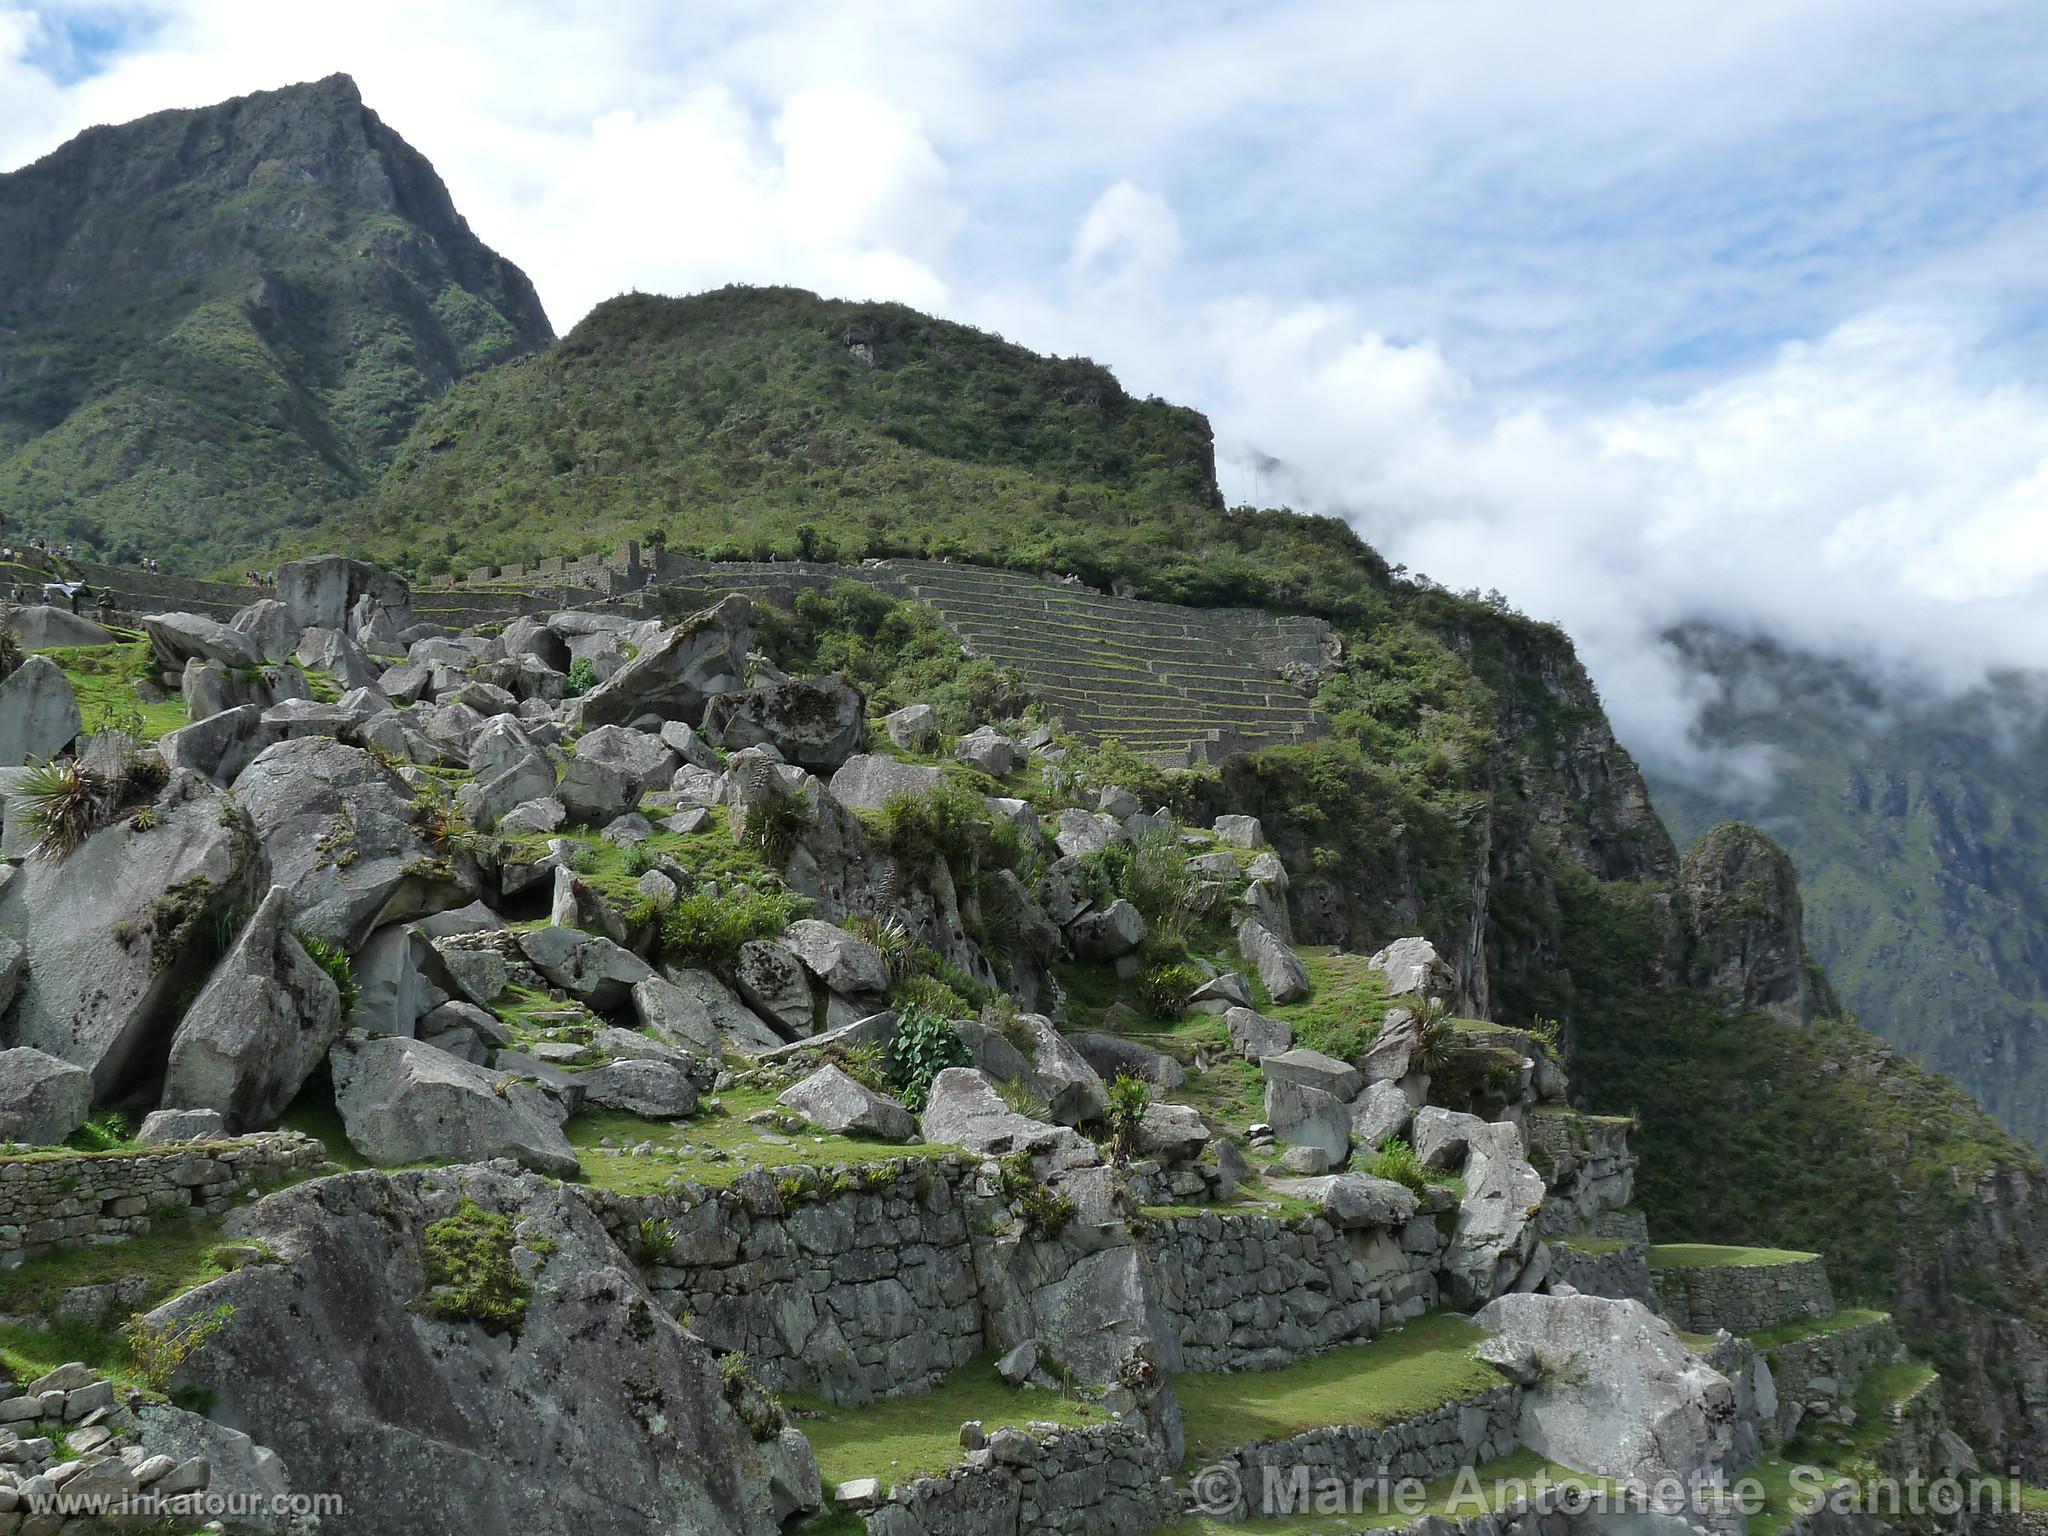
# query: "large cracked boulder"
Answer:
x=833 y=1101
x=640 y=1085
x=114 y=931
x=590 y=968
x=1412 y=968
x=695 y=1011
x=1608 y=1387
x=1280 y=969
x=254 y=1035
x=271 y=625
x=964 y=1110
x=327 y=590
x=642 y=759
x=585 y=1409
x=868 y=782
x=674 y=676
x=41 y=627
x=1498 y=1220
x=42 y=1100
x=816 y=725
x=1303 y=1116
x=403 y=1101
x=844 y=962
x=38 y=712
x=338 y=828
x=176 y=638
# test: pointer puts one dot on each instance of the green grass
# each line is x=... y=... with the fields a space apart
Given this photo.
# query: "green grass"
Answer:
x=1341 y=1017
x=1396 y=1376
x=173 y=1258
x=313 y=1114
x=901 y=1438
x=1816 y=1327
x=104 y=678
x=714 y=1149
x=1594 y=1247
x=1711 y=1256
x=1440 y=1498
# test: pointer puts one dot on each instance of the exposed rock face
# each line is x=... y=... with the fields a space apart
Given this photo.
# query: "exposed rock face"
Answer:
x=39 y=627
x=1609 y=1389
x=966 y=1111
x=1497 y=1220
x=113 y=931
x=1413 y=968
x=656 y=1090
x=833 y=1101
x=254 y=1035
x=176 y=638
x=595 y=1412
x=324 y=592
x=1741 y=897
x=849 y=965
x=816 y=725
x=868 y=782
x=403 y=1101
x=42 y=1099
x=1280 y=968
x=1108 y=932
x=673 y=678
x=337 y=826
x=589 y=968
x=38 y=712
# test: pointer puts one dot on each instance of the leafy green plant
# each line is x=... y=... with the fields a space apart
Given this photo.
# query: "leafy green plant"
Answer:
x=774 y=824
x=62 y=804
x=641 y=858
x=470 y=1272
x=1128 y=1097
x=1164 y=990
x=928 y=994
x=1396 y=1160
x=158 y=1350
x=925 y=1044
x=334 y=960
x=1436 y=1036
x=706 y=930
x=105 y=1131
x=654 y=1240
x=1043 y=1213
x=582 y=675
x=10 y=644
x=892 y=938
x=754 y=1405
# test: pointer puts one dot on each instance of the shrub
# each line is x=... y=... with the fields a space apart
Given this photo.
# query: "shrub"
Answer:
x=892 y=938
x=470 y=1273
x=866 y=1063
x=582 y=675
x=1129 y=1098
x=63 y=804
x=334 y=960
x=751 y=1402
x=925 y=1045
x=1164 y=990
x=928 y=994
x=640 y=858
x=773 y=824
x=103 y=1132
x=1396 y=1160
x=706 y=930
x=10 y=647
x=653 y=1240
x=158 y=1351
x=1022 y=1096
x=950 y=823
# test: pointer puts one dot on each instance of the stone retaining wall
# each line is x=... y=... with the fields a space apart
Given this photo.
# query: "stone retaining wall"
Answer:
x=1623 y=1274
x=49 y=1202
x=1430 y=1446
x=1587 y=1164
x=1258 y=1292
x=1817 y=1376
x=1099 y=1480
x=865 y=1292
x=1743 y=1298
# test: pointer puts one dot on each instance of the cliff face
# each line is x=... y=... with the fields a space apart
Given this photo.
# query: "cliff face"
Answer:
x=213 y=321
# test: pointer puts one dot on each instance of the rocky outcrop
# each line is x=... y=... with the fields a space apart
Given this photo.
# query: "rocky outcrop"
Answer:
x=673 y=678
x=254 y=1035
x=42 y=1100
x=38 y=712
x=1746 y=924
x=817 y=725
x=573 y=1405
x=834 y=1102
x=403 y=1101
x=117 y=930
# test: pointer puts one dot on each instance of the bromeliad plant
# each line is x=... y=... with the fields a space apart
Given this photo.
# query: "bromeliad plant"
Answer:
x=63 y=805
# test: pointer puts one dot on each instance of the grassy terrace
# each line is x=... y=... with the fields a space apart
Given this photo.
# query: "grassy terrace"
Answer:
x=1883 y=1397
x=1397 y=1376
x=1709 y=1256
x=715 y=1148
x=104 y=678
x=901 y=1438
x=1817 y=1327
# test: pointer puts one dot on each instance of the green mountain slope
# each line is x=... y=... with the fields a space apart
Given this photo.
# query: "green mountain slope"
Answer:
x=1920 y=831
x=751 y=421
x=215 y=324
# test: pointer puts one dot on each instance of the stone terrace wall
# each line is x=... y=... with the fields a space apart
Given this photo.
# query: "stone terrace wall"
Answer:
x=1623 y=1274
x=48 y=1202
x=865 y=1293
x=1103 y=1479
x=1256 y=1292
x=1743 y=1298
x=1430 y=1446
x=1589 y=1167
x=1817 y=1375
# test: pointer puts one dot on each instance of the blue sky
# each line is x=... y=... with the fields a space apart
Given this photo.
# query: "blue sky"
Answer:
x=1640 y=313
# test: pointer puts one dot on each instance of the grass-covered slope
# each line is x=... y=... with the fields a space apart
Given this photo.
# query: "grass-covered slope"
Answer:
x=1919 y=830
x=751 y=421
x=215 y=324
